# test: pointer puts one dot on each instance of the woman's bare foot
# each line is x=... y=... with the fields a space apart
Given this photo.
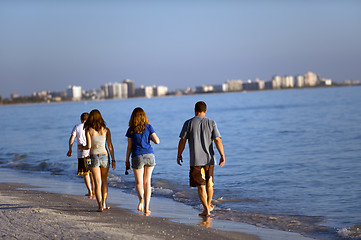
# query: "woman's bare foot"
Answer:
x=140 y=206
x=147 y=213
x=100 y=210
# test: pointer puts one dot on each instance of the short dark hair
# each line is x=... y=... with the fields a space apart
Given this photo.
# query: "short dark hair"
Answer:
x=84 y=116
x=200 y=107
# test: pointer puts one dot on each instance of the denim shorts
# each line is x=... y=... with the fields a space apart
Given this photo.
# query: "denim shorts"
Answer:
x=99 y=160
x=140 y=161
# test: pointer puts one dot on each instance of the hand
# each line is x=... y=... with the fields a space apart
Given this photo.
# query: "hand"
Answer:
x=127 y=164
x=222 y=161
x=113 y=165
x=180 y=160
x=69 y=153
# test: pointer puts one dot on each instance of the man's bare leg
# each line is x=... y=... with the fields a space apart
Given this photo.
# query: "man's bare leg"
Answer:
x=92 y=183
x=88 y=185
x=210 y=196
x=202 y=193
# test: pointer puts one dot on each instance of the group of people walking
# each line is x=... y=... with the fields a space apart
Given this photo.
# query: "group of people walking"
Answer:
x=96 y=152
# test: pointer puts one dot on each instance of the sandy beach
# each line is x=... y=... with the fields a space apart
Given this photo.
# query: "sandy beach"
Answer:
x=34 y=214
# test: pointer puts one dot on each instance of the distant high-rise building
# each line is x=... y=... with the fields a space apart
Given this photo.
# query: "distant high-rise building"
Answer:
x=234 y=85
x=287 y=82
x=300 y=81
x=131 y=87
x=159 y=91
x=325 y=82
x=105 y=89
x=204 y=89
x=276 y=82
x=118 y=90
x=310 y=79
x=255 y=85
x=221 y=88
x=74 y=93
x=144 y=91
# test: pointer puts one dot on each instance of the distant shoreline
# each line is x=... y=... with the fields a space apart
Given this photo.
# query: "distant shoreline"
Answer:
x=23 y=101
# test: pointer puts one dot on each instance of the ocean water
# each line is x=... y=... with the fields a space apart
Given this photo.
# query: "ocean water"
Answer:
x=293 y=157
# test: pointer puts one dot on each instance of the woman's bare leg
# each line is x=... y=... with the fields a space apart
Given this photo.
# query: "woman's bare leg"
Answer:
x=104 y=188
x=138 y=176
x=147 y=180
x=98 y=187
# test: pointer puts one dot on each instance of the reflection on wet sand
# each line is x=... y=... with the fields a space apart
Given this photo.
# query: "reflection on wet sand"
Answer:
x=206 y=221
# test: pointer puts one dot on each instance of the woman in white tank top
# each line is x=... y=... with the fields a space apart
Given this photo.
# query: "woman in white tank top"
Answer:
x=98 y=136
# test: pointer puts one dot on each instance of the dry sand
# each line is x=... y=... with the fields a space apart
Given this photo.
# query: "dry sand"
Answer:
x=34 y=214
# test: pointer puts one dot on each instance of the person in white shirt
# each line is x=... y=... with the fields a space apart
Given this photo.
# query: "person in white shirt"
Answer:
x=78 y=132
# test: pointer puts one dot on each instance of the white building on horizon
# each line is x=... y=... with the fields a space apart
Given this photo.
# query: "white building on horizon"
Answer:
x=74 y=93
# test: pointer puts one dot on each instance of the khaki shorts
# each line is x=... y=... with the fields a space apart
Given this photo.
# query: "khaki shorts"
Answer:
x=201 y=175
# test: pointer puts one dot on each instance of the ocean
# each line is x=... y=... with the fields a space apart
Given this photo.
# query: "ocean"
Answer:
x=293 y=157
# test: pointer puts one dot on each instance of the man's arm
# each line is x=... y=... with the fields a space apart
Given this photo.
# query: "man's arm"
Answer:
x=219 y=146
x=181 y=146
x=71 y=141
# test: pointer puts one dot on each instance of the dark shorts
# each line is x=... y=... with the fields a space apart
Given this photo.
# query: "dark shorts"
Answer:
x=83 y=168
x=201 y=175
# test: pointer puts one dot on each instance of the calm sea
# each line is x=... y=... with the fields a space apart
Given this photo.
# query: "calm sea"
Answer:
x=293 y=157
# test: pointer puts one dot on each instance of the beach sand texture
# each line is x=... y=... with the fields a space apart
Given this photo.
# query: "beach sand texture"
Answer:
x=34 y=214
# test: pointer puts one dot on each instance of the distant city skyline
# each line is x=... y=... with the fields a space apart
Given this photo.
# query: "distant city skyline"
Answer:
x=48 y=45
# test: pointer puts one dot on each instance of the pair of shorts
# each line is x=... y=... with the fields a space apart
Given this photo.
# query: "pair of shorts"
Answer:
x=201 y=175
x=83 y=168
x=99 y=160
x=148 y=160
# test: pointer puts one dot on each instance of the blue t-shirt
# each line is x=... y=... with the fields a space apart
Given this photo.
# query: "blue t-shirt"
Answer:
x=141 y=141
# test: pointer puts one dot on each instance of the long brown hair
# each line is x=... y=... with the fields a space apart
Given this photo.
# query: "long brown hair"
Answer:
x=137 y=121
x=95 y=121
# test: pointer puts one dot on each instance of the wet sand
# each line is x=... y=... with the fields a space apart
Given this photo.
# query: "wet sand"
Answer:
x=27 y=213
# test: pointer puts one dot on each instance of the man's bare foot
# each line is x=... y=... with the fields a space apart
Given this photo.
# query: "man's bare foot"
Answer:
x=100 y=210
x=147 y=213
x=106 y=208
x=211 y=208
x=140 y=206
x=205 y=214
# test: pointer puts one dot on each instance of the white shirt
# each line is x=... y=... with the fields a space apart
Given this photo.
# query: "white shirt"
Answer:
x=79 y=133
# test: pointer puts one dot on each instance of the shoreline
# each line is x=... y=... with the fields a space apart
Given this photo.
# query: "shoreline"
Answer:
x=33 y=214
x=167 y=215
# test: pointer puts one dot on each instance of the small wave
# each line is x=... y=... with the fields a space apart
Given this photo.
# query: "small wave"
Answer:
x=353 y=232
x=291 y=223
x=235 y=200
x=162 y=191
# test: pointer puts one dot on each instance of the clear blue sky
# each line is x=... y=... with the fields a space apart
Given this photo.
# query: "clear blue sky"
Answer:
x=48 y=45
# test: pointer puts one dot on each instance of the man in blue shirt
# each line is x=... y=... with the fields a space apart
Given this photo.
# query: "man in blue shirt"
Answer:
x=200 y=133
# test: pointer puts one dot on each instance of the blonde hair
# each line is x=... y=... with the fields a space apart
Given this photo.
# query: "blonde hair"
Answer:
x=137 y=121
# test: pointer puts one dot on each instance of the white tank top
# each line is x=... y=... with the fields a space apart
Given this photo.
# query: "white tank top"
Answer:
x=98 y=144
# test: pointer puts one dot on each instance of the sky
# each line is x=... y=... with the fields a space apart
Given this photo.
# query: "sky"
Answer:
x=50 y=44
